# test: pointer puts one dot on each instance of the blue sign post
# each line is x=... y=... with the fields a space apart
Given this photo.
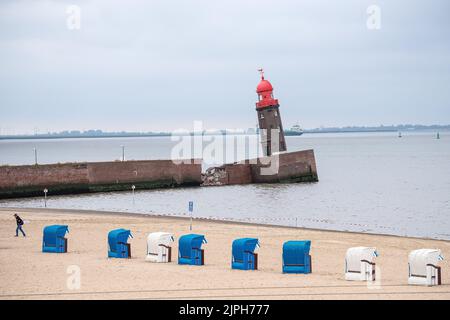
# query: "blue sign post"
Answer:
x=191 y=210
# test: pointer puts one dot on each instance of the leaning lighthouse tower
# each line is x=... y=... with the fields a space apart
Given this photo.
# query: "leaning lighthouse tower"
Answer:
x=269 y=119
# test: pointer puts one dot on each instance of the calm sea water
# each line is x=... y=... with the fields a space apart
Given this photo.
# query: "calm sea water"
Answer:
x=371 y=182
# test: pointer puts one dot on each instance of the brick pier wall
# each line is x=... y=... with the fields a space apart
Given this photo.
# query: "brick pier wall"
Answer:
x=299 y=166
x=72 y=178
x=69 y=178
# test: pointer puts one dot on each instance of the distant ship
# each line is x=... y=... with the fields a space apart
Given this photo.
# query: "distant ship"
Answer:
x=295 y=130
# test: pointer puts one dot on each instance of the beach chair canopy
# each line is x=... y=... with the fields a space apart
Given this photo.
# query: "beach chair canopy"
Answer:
x=355 y=255
x=159 y=246
x=294 y=252
x=243 y=245
x=359 y=264
x=296 y=258
x=190 y=241
x=418 y=260
x=52 y=233
x=189 y=249
x=423 y=266
x=117 y=237
x=54 y=239
x=243 y=256
x=155 y=239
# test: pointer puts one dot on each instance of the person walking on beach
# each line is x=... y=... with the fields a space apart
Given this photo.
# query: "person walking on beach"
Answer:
x=19 y=222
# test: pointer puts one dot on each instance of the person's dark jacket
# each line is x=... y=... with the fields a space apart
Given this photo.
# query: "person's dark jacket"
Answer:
x=19 y=221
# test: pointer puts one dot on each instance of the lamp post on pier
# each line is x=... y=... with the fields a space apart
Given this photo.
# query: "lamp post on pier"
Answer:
x=35 y=156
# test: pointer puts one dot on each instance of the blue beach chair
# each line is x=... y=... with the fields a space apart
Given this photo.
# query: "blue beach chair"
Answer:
x=243 y=256
x=118 y=243
x=54 y=239
x=296 y=257
x=190 y=249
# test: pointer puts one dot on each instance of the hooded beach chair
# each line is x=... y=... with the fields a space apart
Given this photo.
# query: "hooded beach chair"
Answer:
x=423 y=267
x=190 y=249
x=54 y=239
x=243 y=256
x=296 y=257
x=118 y=243
x=159 y=247
x=359 y=264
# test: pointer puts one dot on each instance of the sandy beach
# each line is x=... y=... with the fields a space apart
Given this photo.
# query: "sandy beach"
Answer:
x=27 y=273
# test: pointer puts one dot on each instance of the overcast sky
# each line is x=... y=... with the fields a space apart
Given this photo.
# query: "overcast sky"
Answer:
x=161 y=64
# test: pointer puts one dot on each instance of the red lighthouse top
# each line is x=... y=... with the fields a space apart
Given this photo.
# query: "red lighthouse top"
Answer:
x=265 y=93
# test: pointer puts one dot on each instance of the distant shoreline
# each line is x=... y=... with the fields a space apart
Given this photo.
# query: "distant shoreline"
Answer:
x=168 y=134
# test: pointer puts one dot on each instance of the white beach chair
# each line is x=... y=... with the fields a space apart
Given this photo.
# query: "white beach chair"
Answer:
x=159 y=247
x=423 y=267
x=359 y=265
